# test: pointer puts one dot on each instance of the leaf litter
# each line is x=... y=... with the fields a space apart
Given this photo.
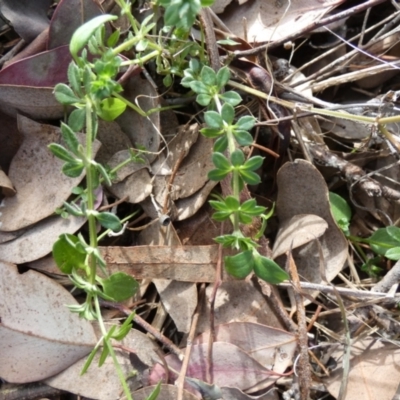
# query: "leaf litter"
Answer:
x=254 y=343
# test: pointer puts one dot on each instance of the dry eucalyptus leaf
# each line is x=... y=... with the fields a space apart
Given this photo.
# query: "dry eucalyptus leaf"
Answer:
x=179 y=300
x=302 y=190
x=39 y=336
x=297 y=231
x=237 y=301
x=236 y=394
x=36 y=174
x=142 y=131
x=374 y=371
x=102 y=383
x=271 y=347
x=136 y=186
x=38 y=240
x=274 y=20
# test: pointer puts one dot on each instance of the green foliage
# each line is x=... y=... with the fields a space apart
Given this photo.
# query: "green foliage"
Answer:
x=231 y=135
x=341 y=211
x=386 y=242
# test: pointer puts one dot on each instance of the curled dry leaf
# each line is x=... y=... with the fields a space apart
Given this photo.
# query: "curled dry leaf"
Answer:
x=274 y=20
x=37 y=176
x=27 y=85
x=303 y=190
x=39 y=336
x=102 y=383
x=296 y=231
x=374 y=371
x=6 y=185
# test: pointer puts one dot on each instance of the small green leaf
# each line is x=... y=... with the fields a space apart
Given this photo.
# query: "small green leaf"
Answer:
x=82 y=35
x=203 y=99
x=231 y=97
x=61 y=152
x=73 y=209
x=66 y=255
x=111 y=108
x=74 y=77
x=213 y=119
x=77 y=119
x=109 y=221
x=245 y=123
x=120 y=286
x=253 y=163
x=70 y=138
x=394 y=232
x=73 y=169
x=113 y=39
x=208 y=76
x=104 y=174
x=65 y=95
x=221 y=162
x=199 y=87
x=239 y=265
x=217 y=174
x=340 y=210
x=221 y=144
x=243 y=137
x=393 y=254
x=211 y=133
x=223 y=76
x=228 y=113
x=142 y=45
x=250 y=177
x=232 y=203
x=381 y=241
x=268 y=270
x=156 y=391
x=237 y=158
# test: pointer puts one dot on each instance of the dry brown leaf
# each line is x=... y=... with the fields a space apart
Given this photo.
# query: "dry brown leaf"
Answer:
x=296 y=231
x=167 y=392
x=39 y=336
x=271 y=347
x=143 y=131
x=303 y=190
x=237 y=301
x=38 y=240
x=102 y=383
x=179 y=300
x=181 y=263
x=374 y=371
x=36 y=175
x=274 y=20
x=236 y=394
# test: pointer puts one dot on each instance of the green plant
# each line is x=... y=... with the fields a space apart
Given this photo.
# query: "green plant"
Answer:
x=231 y=136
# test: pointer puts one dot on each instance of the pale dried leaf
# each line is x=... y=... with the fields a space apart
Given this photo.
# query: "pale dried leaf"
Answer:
x=236 y=394
x=274 y=20
x=102 y=383
x=39 y=336
x=179 y=300
x=38 y=241
x=36 y=174
x=296 y=231
x=271 y=347
x=374 y=371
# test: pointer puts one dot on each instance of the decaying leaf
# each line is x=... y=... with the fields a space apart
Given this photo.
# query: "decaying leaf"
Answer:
x=167 y=392
x=6 y=185
x=39 y=336
x=37 y=177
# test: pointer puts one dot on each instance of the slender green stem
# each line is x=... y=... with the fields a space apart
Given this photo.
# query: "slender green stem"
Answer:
x=131 y=105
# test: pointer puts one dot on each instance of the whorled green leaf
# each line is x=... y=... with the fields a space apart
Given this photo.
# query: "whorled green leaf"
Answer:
x=227 y=113
x=222 y=78
x=111 y=108
x=245 y=123
x=221 y=144
x=221 y=162
x=120 y=286
x=74 y=77
x=244 y=138
x=73 y=169
x=65 y=95
x=250 y=177
x=70 y=138
x=208 y=76
x=211 y=133
x=203 y=99
x=253 y=163
x=240 y=265
x=268 y=270
x=77 y=119
x=66 y=255
x=213 y=120
x=61 y=152
x=109 y=221
x=237 y=158
x=231 y=97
